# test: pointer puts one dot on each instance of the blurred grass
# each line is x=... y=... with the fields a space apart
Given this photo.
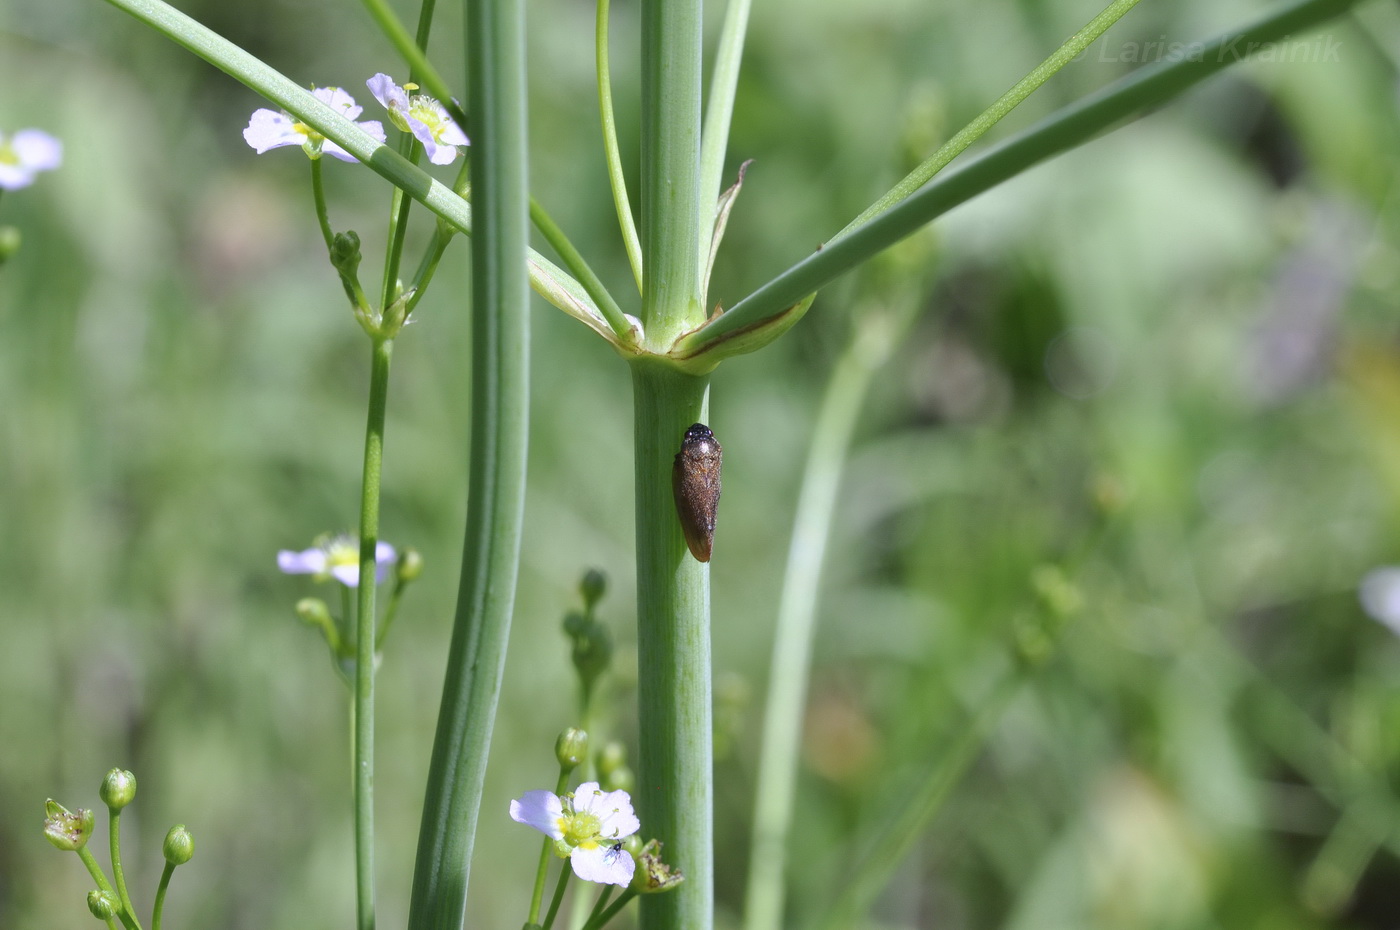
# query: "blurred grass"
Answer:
x=1166 y=364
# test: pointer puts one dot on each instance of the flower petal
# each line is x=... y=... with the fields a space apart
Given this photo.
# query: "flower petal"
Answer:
x=37 y=150
x=607 y=865
x=347 y=574
x=339 y=99
x=389 y=94
x=307 y=562
x=539 y=809
x=268 y=129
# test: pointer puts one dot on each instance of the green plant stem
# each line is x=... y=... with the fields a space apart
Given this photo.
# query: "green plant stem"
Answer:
x=554 y=903
x=495 y=54
x=1074 y=125
x=599 y=905
x=671 y=90
x=719 y=113
x=674 y=792
x=391 y=610
x=158 y=910
x=875 y=337
x=318 y=194
x=381 y=354
x=89 y=861
x=118 y=876
x=537 y=898
x=989 y=117
x=594 y=923
x=610 y=149
x=582 y=270
x=412 y=50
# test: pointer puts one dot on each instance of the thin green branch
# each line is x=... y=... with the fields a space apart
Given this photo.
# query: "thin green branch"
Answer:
x=495 y=54
x=615 y=175
x=1072 y=126
x=411 y=50
x=581 y=269
x=118 y=875
x=381 y=354
x=989 y=117
x=724 y=85
x=158 y=910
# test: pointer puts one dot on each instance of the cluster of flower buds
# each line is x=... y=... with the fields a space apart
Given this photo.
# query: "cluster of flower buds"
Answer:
x=71 y=830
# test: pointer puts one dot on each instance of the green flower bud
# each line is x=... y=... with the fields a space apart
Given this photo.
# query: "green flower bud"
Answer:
x=410 y=565
x=619 y=779
x=68 y=830
x=314 y=611
x=118 y=789
x=345 y=252
x=571 y=748
x=592 y=652
x=575 y=624
x=178 y=846
x=654 y=876
x=103 y=904
x=611 y=757
x=593 y=586
x=9 y=242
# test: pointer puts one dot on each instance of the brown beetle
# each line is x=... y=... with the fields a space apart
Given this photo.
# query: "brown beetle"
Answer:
x=695 y=481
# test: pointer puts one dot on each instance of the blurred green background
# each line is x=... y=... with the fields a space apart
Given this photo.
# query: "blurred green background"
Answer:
x=1157 y=379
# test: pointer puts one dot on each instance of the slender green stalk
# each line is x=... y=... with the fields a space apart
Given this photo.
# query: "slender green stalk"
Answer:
x=411 y=50
x=546 y=851
x=89 y=861
x=674 y=793
x=318 y=195
x=118 y=876
x=495 y=38
x=989 y=117
x=380 y=355
x=558 y=897
x=585 y=274
x=599 y=905
x=1074 y=125
x=874 y=339
x=724 y=85
x=158 y=910
x=671 y=90
x=614 y=157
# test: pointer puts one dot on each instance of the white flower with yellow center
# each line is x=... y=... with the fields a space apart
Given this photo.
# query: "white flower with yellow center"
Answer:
x=587 y=826
x=421 y=115
x=270 y=129
x=26 y=153
x=336 y=557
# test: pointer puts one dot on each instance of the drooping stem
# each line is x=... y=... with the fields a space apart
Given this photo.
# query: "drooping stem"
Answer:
x=674 y=793
x=495 y=40
x=380 y=356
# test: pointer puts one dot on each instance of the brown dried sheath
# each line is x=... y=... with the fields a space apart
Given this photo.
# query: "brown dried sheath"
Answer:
x=695 y=481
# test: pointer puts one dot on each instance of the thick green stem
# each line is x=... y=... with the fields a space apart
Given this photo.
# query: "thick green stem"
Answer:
x=495 y=38
x=380 y=356
x=674 y=794
x=671 y=88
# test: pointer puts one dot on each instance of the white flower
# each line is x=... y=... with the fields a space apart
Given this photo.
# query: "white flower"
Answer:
x=336 y=557
x=1380 y=596
x=270 y=129
x=587 y=826
x=421 y=115
x=24 y=155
